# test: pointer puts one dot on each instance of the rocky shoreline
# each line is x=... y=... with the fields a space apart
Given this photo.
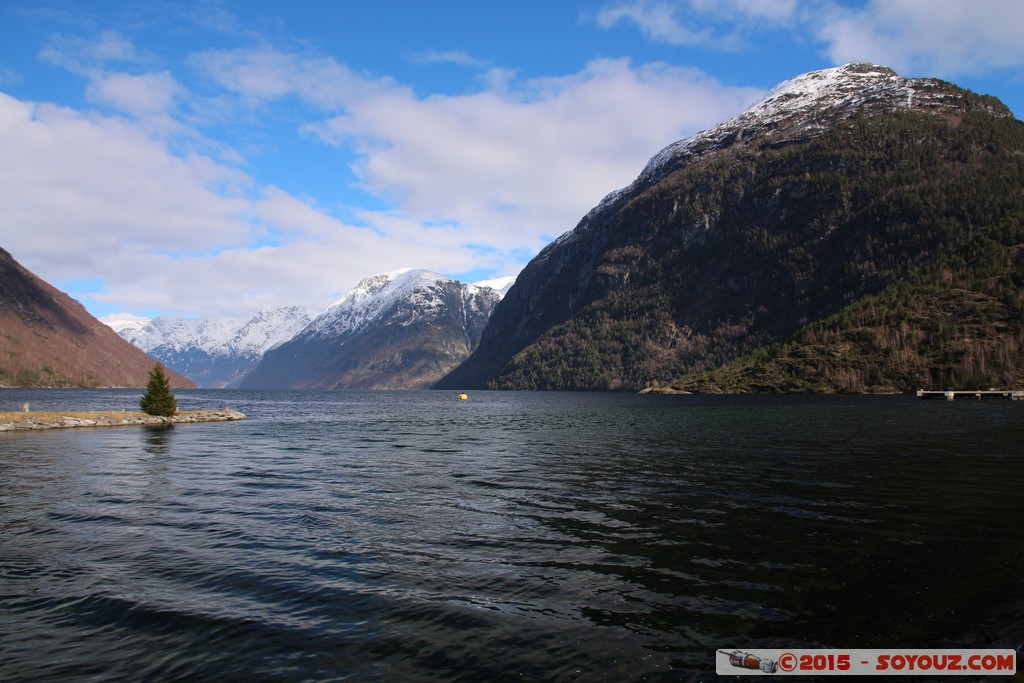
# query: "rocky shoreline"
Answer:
x=66 y=420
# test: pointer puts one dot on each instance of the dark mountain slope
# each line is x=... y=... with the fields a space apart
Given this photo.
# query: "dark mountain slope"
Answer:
x=958 y=323
x=837 y=186
x=48 y=339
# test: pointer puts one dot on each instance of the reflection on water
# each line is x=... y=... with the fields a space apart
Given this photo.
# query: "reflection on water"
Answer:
x=157 y=438
x=409 y=535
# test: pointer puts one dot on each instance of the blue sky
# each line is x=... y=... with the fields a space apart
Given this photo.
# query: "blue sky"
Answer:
x=212 y=157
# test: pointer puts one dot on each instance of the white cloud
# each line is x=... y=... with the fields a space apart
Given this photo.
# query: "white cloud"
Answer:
x=89 y=183
x=261 y=75
x=514 y=166
x=457 y=57
x=144 y=96
x=752 y=13
x=470 y=182
x=658 y=20
x=934 y=37
x=85 y=56
x=718 y=24
x=91 y=197
x=917 y=37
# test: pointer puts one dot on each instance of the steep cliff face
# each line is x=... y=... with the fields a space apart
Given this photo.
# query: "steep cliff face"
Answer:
x=47 y=339
x=837 y=185
x=403 y=329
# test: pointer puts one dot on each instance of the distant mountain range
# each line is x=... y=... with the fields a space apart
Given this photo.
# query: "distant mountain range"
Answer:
x=403 y=329
x=854 y=231
x=47 y=339
x=213 y=352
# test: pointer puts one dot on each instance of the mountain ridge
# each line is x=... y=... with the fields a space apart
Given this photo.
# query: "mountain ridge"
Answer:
x=401 y=329
x=214 y=352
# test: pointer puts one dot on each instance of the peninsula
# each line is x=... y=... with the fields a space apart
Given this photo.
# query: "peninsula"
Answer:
x=16 y=421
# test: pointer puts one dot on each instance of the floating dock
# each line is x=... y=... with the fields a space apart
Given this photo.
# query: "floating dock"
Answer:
x=953 y=394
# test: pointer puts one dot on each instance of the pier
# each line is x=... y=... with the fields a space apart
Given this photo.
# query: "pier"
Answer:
x=953 y=394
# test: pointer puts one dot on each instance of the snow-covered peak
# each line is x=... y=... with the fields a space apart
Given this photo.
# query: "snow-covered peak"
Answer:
x=183 y=333
x=382 y=284
x=807 y=103
x=814 y=100
x=124 y=321
x=418 y=293
x=376 y=294
x=387 y=286
x=817 y=91
x=220 y=335
x=805 y=97
x=500 y=285
x=270 y=327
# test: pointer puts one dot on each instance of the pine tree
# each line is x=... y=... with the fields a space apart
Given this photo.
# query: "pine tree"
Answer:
x=158 y=399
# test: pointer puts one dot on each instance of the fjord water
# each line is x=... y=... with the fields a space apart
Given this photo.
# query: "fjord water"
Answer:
x=513 y=536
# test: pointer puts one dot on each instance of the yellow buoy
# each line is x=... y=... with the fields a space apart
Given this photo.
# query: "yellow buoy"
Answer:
x=463 y=397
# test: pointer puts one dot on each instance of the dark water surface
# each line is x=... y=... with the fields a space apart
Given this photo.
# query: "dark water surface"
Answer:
x=514 y=536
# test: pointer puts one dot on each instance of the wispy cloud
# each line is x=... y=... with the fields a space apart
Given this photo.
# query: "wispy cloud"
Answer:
x=529 y=161
x=660 y=21
x=148 y=97
x=717 y=24
x=87 y=56
x=261 y=75
x=512 y=163
x=457 y=57
x=939 y=37
x=9 y=76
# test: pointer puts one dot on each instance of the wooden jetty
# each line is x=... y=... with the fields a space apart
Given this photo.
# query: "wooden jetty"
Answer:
x=953 y=394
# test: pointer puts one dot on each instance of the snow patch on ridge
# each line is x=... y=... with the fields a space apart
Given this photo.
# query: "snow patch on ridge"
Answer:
x=501 y=285
x=375 y=295
x=217 y=336
x=803 y=101
x=809 y=101
x=420 y=293
x=124 y=321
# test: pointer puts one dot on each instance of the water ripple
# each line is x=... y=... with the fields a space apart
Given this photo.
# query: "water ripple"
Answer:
x=393 y=536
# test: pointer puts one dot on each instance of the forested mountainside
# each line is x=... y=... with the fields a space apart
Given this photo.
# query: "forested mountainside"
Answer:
x=47 y=339
x=958 y=323
x=850 y=203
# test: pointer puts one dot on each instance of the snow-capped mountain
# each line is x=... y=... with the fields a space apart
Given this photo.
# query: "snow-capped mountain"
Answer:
x=402 y=329
x=120 y=322
x=838 y=184
x=815 y=102
x=501 y=285
x=802 y=107
x=212 y=352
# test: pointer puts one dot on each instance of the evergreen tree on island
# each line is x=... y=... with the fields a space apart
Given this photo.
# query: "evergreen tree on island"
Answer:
x=158 y=399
